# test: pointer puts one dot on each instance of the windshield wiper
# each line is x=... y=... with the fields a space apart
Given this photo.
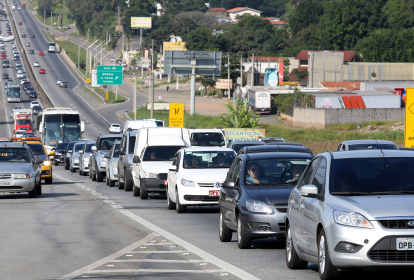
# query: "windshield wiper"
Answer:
x=389 y=192
x=407 y=192
x=350 y=193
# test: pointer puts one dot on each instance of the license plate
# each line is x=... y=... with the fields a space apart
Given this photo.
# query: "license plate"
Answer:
x=405 y=244
x=4 y=183
x=214 y=193
x=165 y=182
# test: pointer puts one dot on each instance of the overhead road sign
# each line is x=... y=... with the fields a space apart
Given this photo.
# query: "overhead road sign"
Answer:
x=110 y=75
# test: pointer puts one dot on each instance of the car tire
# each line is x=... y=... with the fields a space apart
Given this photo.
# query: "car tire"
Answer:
x=49 y=181
x=178 y=206
x=90 y=173
x=170 y=204
x=143 y=191
x=80 y=172
x=56 y=163
x=243 y=240
x=99 y=176
x=93 y=176
x=120 y=184
x=72 y=170
x=225 y=233
x=107 y=178
x=33 y=193
x=135 y=190
x=293 y=261
x=39 y=188
x=327 y=270
x=66 y=167
x=111 y=183
x=127 y=183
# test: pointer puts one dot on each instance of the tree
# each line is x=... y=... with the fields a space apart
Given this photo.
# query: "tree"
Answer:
x=399 y=13
x=202 y=39
x=239 y=116
x=234 y=68
x=207 y=83
x=178 y=6
x=307 y=13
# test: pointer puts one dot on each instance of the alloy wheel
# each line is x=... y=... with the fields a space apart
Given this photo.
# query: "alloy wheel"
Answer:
x=322 y=254
x=289 y=245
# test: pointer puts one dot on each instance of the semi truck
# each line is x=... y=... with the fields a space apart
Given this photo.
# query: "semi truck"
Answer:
x=22 y=119
x=13 y=93
x=261 y=100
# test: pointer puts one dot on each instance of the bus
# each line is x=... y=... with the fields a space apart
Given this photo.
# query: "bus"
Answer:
x=51 y=47
x=57 y=125
x=13 y=93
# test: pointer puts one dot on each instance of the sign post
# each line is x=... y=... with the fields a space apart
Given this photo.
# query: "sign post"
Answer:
x=409 y=118
x=176 y=118
x=109 y=75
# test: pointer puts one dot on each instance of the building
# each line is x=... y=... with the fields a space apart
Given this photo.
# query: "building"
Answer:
x=263 y=62
x=241 y=11
x=279 y=23
x=217 y=11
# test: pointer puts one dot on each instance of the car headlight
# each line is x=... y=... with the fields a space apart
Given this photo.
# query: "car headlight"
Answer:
x=258 y=207
x=187 y=183
x=21 y=176
x=351 y=219
x=58 y=154
x=67 y=155
x=86 y=159
x=46 y=163
x=76 y=159
x=150 y=175
x=114 y=164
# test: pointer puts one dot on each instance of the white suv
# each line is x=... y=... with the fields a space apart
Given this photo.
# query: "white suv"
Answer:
x=34 y=103
x=196 y=175
x=115 y=128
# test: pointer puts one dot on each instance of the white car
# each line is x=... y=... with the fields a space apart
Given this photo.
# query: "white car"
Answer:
x=22 y=81
x=36 y=64
x=18 y=8
x=2 y=44
x=21 y=75
x=58 y=81
x=19 y=133
x=115 y=128
x=196 y=175
x=34 y=103
x=27 y=44
x=112 y=59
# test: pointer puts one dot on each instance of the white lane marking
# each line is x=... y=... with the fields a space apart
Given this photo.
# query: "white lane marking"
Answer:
x=143 y=270
x=156 y=261
x=155 y=252
x=201 y=253
x=117 y=206
x=89 y=268
x=109 y=201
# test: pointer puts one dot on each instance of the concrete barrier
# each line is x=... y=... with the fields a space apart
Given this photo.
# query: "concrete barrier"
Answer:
x=322 y=118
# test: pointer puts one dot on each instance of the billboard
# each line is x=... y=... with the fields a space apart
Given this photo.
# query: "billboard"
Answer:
x=243 y=134
x=358 y=101
x=141 y=22
x=177 y=46
x=223 y=84
x=95 y=78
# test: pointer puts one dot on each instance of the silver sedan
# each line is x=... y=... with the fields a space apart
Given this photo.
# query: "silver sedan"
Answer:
x=352 y=209
x=84 y=155
x=112 y=164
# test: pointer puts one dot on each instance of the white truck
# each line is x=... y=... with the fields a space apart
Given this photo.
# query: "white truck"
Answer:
x=153 y=154
x=13 y=7
x=260 y=100
x=207 y=138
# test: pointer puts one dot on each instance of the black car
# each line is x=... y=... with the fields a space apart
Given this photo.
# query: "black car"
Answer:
x=5 y=76
x=63 y=84
x=254 y=198
x=68 y=154
x=32 y=36
x=23 y=35
x=33 y=94
x=29 y=90
x=60 y=153
x=36 y=110
x=274 y=148
x=26 y=86
x=237 y=145
x=31 y=51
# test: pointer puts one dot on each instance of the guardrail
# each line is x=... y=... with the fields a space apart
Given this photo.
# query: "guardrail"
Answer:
x=42 y=96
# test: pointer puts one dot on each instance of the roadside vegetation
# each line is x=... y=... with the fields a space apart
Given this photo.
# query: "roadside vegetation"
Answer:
x=101 y=92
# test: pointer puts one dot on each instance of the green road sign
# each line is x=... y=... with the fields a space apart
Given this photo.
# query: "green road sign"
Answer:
x=109 y=75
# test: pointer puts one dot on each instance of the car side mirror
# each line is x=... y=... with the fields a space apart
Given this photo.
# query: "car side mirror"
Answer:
x=107 y=156
x=229 y=184
x=136 y=159
x=173 y=168
x=309 y=191
x=80 y=152
x=122 y=152
x=38 y=161
x=93 y=148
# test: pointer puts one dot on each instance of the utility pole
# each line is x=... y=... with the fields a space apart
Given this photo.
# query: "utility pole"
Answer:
x=88 y=33
x=116 y=92
x=44 y=15
x=134 y=103
x=241 y=71
x=228 y=76
x=152 y=79
x=252 y=82
x=51 y=19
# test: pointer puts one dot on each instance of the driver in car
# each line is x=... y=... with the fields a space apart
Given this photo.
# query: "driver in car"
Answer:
x=19 y=157
x=296 y=171
x=105 y=145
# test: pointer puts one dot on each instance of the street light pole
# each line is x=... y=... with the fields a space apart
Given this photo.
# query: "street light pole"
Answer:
x=228 y=76
x=88 y=57
x=79 y=54
x=51 y=19
x=134 y=103
x=152 y=79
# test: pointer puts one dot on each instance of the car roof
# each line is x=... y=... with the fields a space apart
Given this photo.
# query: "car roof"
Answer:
x=284 y=143
x=207 y=149
x=110 y=135
x=274 y=148
x=370 y=154
x=247 y=142
x=13 y=144
x=278 y=155
x=367 y=141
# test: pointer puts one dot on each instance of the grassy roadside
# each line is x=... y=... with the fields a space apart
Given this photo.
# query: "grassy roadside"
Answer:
x=318 y=140
x=58 y=7
x=102 y=93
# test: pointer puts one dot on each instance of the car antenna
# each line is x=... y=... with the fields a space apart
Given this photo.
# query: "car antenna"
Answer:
x=379 y=146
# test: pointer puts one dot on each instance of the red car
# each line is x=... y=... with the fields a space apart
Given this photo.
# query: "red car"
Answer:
x=9 y=33
x=20 y=23
x=3 y=53
x=3 y=57
x=42 y=71
x=40 y=53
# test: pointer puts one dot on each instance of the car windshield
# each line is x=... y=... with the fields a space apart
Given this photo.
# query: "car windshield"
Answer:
x=88 y=148
x=207 y=139
x=237 y=147
x=79 y=147
x=14 y=155
x=116 y=150
x=131 y=144
x=37 y=149
x=70 y=146
x=160 y=153
x=372 y=146
x=276 y=171
x=115 y=125
x=106 y=143
x=61 y=146
x=208 y=159
x=359 y=176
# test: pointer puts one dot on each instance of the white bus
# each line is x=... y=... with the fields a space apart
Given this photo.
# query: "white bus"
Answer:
x=58 y=125
x=51 y=47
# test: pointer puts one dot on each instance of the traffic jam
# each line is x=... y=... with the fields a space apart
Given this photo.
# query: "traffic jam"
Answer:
x=342 y=210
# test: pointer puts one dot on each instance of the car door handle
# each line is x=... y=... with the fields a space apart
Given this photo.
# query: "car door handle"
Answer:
x=302 y=206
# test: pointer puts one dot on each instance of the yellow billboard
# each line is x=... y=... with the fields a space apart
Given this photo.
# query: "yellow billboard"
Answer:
x=177 y=46
x=243 y=134
x=409 y=118
x=223 y=84
x=141 y=22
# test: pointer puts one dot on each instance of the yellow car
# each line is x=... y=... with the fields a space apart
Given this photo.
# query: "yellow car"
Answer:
x=39 y=151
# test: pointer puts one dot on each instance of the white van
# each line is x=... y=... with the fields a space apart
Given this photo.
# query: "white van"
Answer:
x=133 y=125
x=153 y=154
x=207 y=138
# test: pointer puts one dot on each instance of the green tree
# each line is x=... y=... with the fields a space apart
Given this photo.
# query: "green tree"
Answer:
x=307 y=13
x=178 y=6
x=208 y=83
x=234 y=68
x=239 y=115
x=399 y=13
x=202 y=39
